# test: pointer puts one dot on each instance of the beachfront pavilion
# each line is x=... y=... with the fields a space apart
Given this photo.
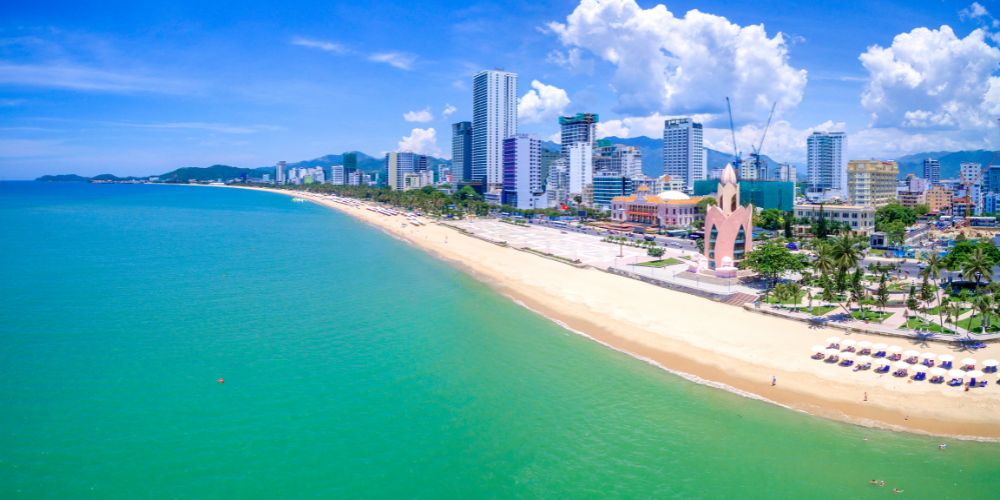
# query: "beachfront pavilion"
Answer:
x=667 y=209
x=728 y=227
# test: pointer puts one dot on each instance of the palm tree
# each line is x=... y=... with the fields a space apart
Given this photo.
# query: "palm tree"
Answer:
x=795 y=292
x=977 y=267
x=933 y=271
x=984 y=304
x=955 y=310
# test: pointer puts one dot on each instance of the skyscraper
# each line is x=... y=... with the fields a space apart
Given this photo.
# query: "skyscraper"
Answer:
x=581 y=167
x=337 y=175
x=683 y=154
x=398 y=165
x=932 y=171
x=350 y=162
x=617 y=160
x=826 y=164
x=494 y=118
x=579 y=128
x=279 y=172
x=461 y=151
x=522 y=172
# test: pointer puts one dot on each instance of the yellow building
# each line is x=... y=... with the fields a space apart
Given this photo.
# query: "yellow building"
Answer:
x=871 y=182
x=939 y=199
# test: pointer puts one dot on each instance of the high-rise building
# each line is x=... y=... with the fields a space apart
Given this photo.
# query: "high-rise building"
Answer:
x=522 y=172
x=350 y=161
x=970 y=177
x=494 y=118
x=581 y=167
x=607 y=187
x=786 y=172
x=337 y=176
x=397 y=165
x=932 y=171
x=581 y=127
x=871 y=182
x=617 y=160
x=461 y=151
x=279 y=172
x=826 y=161
x=557 y=183
x=683 y=154
x=991 y=182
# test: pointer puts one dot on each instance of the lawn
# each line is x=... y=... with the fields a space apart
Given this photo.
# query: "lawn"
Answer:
x=934 y=310
x=870 y=315
x=919 y=323
x=973 y=324
x=771 y=299
x=819 y=310
x=661 y=263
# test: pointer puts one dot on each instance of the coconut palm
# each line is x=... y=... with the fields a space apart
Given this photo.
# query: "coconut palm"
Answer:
x=933 y=271
x=978 y=266
x=984 y=304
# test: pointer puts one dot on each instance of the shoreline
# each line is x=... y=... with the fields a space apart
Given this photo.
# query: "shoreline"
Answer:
x=647 y=327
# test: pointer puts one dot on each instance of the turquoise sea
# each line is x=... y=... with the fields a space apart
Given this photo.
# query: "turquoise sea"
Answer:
x=358 y=367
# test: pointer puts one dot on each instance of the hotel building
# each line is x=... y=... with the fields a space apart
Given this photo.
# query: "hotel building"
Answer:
x=522 y=172
x=861 y=219
x=494 y=118
x=668 y=209
x=683 y=152
x=871 y=182
x=825 y=155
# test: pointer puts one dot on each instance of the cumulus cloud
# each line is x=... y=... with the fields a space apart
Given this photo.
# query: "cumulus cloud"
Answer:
x=422 y=141
x=976 y=10
x=422 y=116
x=541 y=103
x=572 y=60
x=448 y=110
x=398 y=60
x=684 y=64
x=931 y=79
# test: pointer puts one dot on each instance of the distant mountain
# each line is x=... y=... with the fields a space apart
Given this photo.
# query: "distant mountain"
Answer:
x=63 y=178
x=950 y=161
x=212 y=173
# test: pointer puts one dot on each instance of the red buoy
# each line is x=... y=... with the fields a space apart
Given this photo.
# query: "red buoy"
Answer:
x=221 y=380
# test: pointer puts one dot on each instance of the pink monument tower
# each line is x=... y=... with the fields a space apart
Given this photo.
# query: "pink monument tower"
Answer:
x=728 y=227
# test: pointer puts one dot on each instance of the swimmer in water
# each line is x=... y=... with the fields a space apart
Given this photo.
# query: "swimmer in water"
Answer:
x=896 y=491
x=942 y=446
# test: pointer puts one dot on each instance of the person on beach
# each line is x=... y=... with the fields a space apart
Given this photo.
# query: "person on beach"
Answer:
x=774 y=380
x=866 y=395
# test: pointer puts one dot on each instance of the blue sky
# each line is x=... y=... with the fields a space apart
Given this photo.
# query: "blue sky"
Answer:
x=93 y=87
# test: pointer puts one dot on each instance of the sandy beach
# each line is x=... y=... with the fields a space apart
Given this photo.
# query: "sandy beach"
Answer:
x=710 y=342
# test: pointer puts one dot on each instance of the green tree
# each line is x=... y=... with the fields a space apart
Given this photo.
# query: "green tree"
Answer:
x=771 y=261
x=978 y=266
x=770 y=219
x=963 y=250
x=984 y=303
x=882 y=293
x=920 y=209
x=655 y=251
x=912 y=304
x=788 y=224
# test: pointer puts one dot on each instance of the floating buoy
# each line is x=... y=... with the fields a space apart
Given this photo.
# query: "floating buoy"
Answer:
x=222 y=380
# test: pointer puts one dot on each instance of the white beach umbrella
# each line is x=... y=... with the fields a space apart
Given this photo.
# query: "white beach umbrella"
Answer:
x=968 y=362
x=938 y=372
x=901 y=365
x=895 y=349
x=819 y=348
x=832 y=340
x=848 y=343
x=976 y=374
x=878 y=347
x=847 y=355
x=946 y=358
x=831 y=352
x=990 y=363
x=864 y=344
x=920 y=368
x=864 y=359
x=911 y=353
x=959 y=374
x=927 y=356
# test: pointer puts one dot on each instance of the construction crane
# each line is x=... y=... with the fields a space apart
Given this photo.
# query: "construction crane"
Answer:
x=756 y=150
x=732 y=129
x=967 y=183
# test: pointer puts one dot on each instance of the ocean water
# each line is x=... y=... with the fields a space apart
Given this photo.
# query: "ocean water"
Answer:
x=358 y=367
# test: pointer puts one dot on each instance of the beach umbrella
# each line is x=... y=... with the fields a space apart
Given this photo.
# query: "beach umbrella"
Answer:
x=847 y=355
x=968 y=362
x=946 y=358
x=990 y=363
x=927 y=356
x=832 y=340
x=911 y=353
x=878 y=347
x=864 y=344
x=959 y=374
x=864 y=360
x=831 y=352
x=938 y=372
x=883 y=362
x=976 y=374
x=901 y=365
x=848 y=343
x=920 y=368
x=895 y=349
x=819 y=348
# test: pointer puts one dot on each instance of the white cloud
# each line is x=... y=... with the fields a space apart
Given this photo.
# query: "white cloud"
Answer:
x=931 y=79
x=422 y=116
x=684 y=65
x=422 y=141
x=973 y=11
x=541 y=103
x=448 y=110
x=83 y=78
x=323 y=45
x=398 y=60
x=572 y=60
